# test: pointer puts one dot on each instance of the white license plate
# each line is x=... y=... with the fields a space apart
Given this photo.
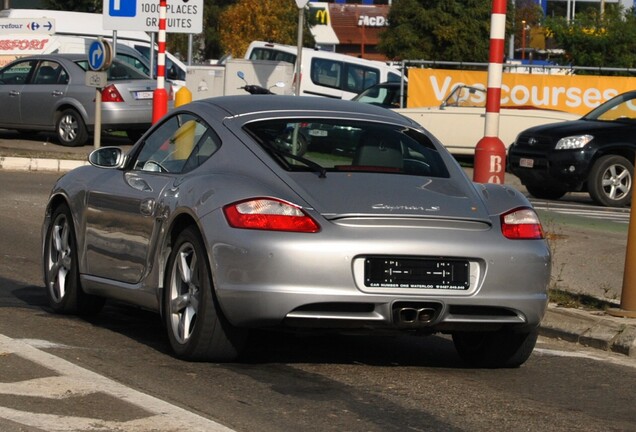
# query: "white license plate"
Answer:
x=143 y=95
x=526 y=163
x=318 y=132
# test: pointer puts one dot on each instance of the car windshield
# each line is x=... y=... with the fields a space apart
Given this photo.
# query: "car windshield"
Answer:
x=324 y=145
x=387 y=96
x=465 y=96
x=619 y=108
x=118 y=71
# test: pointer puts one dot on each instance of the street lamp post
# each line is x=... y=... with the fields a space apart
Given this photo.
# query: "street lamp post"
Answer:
x=523 y=39
x=299 y=43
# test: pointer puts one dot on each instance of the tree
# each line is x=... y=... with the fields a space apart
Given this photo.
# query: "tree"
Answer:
x=74 y=5
x=594 y=40
x=270 y=20
x=449 y=30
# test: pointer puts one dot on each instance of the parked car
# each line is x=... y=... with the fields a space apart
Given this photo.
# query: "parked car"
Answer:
x=459 y=120
x=49 y=93
x=593 y=154
x=207 y=221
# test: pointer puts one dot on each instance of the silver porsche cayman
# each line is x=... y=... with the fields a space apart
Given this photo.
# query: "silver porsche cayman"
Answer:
x=247 y=212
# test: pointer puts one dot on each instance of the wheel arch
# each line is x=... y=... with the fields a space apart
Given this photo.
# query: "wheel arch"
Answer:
x=177 y=226
x=74 y=106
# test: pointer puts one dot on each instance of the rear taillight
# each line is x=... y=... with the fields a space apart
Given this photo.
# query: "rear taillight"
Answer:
x=111 y=94
x=521 y=224
x=269 y=214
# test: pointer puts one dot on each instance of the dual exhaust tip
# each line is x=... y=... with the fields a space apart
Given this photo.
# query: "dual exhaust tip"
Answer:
x=415 y=315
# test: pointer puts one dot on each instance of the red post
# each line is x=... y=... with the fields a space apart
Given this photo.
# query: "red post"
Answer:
x=490 y=152
x=160 y=96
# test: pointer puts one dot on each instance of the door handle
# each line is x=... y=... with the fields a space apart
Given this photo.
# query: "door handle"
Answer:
x=14 y=93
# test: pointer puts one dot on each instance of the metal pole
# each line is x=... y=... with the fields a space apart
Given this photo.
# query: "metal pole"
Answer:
x=160 y=96
x=190 y=43
x=628 y=295
x=299 y=47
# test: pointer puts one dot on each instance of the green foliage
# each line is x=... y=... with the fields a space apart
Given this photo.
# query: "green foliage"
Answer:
x=448 y=30
x=595 y=40
x=74 y=5
x=268 y=20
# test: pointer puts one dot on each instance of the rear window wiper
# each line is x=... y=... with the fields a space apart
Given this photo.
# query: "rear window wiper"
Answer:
x=309 y=163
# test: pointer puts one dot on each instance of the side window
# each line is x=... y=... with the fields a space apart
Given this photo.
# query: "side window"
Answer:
x=360 y=78
x=48 y=73
x=326 y=72
x=180 y=144
x=18 y=73
x=271 y=54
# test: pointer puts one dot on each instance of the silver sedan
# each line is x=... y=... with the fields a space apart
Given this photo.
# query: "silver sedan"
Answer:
x=217 y=221
x=49 y=93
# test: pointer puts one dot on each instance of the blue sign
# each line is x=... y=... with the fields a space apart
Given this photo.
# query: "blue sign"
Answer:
x=97 y=56
x=122 y=8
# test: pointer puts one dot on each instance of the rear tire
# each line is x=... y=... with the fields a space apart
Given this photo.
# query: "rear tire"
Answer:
x=197 y=329
x=61 y=273
x=70 y=129
x=501 y=349
x=610 y=181
x=545 y=192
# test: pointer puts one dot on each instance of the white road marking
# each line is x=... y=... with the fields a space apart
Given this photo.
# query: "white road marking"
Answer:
x=73 y=380
x=597 y=356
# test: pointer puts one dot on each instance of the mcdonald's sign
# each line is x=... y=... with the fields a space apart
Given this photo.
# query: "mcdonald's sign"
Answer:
x=321 y=15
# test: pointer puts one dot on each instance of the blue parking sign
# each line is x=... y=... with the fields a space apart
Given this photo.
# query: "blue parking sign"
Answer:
x=122 y=8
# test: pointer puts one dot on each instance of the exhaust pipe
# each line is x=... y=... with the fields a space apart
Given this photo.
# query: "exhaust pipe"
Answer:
x=416 y=315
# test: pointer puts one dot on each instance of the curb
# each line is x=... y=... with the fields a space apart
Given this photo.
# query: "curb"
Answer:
x=38 y=164
x=594 y=329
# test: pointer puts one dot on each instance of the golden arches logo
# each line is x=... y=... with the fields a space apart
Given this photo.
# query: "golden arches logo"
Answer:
x=322 y=16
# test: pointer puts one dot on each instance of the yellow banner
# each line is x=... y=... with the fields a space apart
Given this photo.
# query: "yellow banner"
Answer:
x=569 y=93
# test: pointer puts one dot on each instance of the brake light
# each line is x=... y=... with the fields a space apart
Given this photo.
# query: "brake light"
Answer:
x=521 y=224
x=111 y=94
x=269 y=214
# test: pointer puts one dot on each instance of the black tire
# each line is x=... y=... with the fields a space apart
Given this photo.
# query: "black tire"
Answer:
x=610 y=181
x=70 y=129
x=545 y=192
x=501 y=349
x=197 y=329
x=61 y=273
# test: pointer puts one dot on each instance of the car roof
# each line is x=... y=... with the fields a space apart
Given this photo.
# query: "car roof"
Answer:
x=299 y=105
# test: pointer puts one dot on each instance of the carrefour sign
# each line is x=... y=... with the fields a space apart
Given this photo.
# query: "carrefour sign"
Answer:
x=182 y=16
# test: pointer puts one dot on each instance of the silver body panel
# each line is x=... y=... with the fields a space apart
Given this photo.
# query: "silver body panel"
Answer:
x=125 y=218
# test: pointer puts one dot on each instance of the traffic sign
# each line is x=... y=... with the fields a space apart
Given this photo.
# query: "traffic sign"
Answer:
x=100 y=55
x=96 y=79
x=182 y=16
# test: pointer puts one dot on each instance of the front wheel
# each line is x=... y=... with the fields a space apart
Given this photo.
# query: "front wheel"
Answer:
x=501 y=349
x=197 y=329
x=61 y=273
x=70 y=129
x=610 y=181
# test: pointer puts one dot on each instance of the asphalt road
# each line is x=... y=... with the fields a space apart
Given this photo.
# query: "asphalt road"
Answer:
x=115 y=372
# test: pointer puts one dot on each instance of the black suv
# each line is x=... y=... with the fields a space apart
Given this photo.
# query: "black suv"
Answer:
x=594 y=154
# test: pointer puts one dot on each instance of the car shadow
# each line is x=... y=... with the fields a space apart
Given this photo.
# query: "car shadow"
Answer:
x=264 y=346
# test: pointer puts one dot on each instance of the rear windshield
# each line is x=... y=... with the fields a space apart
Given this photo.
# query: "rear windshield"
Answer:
x=345 y=146
x=118 y=71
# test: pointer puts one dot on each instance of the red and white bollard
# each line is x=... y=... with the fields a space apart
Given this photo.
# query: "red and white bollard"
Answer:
x=160 y=95
x=490 y=152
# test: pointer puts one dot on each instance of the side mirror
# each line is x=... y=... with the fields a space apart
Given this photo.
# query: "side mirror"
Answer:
x=107 y=157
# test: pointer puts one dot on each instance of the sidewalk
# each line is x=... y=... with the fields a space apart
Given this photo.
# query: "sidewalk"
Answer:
x=573 y=247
